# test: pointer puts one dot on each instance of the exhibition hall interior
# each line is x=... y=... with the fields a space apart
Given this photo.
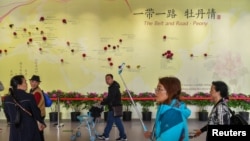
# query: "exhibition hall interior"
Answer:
x=66 y=48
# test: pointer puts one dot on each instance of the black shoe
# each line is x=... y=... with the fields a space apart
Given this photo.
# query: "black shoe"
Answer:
x=102 y=137
x=122 y=139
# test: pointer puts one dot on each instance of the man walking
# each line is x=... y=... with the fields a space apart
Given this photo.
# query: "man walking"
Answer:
x=113 y=99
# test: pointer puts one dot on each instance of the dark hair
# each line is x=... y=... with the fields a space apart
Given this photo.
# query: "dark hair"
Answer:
x=172 y=86
x=221 y=87
x=14 y=81
x=109 y=75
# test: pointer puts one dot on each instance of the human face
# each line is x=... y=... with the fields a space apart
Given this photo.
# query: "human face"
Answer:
x=214 y=94
x=161 y=93
x=109 y=80
x=34 y=84
x=23 y=86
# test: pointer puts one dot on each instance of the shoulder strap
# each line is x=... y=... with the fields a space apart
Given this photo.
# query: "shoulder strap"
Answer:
x=21 y=106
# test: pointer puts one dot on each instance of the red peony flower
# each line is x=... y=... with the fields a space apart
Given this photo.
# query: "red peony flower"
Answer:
x=164 y=37
x=64 y=21
x=68 y=43
x=44 y=38
x=42 y=19
x=105 y=48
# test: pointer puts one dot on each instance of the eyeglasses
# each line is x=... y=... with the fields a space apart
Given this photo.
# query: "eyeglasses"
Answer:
x=159 y=90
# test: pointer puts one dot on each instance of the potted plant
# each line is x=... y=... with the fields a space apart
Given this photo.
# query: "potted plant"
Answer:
x=241 y=104
x=89 y=103
x=103 y=95
x=146 y=104
x=53 y=115
x=75 y=105
x=203 y=100
x=187 y=98
x=127 y=113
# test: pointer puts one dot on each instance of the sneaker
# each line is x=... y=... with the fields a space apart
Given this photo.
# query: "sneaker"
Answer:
x=122 y=139
x=102 y=137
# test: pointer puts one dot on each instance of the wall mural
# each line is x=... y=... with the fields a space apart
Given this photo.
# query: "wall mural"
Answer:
x=72 y=44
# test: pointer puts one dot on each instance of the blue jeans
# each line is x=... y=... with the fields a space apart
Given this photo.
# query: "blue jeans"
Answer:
x=117 y=120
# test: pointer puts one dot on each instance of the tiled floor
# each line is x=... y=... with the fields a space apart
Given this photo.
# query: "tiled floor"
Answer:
x=133 y=129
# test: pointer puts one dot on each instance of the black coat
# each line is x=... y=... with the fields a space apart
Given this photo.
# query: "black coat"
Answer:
x=114 y=96
x=28 y=128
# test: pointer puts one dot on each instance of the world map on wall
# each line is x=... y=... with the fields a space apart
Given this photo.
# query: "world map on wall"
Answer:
x=73 y=44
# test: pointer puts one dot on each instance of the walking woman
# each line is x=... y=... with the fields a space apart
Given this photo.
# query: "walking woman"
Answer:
x=172 y=114
x=220 y=114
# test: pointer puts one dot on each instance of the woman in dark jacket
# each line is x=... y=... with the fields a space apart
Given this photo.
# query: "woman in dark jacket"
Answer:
x=28 y=128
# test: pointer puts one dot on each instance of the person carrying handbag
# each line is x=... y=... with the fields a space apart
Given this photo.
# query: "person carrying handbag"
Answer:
x=113 y=99
x=27 y=128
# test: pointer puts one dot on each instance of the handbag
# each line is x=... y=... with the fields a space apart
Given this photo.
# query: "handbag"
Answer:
x=117 y=110
x=18 y=116
x=17 y=120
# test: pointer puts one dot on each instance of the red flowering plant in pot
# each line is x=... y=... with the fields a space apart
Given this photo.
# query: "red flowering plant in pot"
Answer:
x=233 y=102
x=89 y=103
x=202 y=103
x=146 y=104
x=55 y=94
x=127 y=102
x=203 y=100
x=103 y=95
x=185 y=97
x=74 y=105
x=241 y=102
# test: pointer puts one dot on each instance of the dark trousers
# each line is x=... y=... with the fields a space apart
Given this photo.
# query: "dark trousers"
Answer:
x=117 y=120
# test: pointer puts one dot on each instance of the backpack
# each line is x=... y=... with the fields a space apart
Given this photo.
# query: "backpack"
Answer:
x=237 y=119
x=47 y=100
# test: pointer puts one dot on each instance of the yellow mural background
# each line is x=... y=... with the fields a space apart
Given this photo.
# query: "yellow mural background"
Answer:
x=93 y=25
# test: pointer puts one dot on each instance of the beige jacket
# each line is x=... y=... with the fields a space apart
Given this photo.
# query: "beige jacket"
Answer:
x=41 y=103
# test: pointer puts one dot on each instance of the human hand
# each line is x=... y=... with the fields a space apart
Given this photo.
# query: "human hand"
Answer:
x=40 y=126
x=147 y=134
x=197 y=132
